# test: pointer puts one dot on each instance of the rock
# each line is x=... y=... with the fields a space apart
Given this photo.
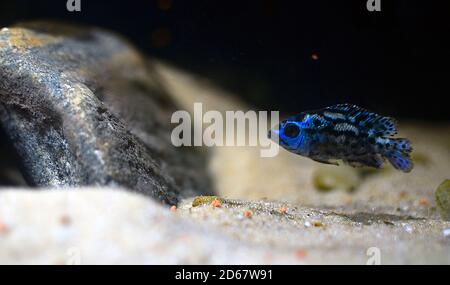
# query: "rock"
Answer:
x=446 y=233
x=82 y=107
x=203 y=200
x=443 y=199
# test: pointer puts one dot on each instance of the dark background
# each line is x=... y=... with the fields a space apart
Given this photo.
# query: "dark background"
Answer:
x=288 y=55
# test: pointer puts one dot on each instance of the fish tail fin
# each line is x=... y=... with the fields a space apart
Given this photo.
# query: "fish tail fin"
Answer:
x=397 y=153
x=403 y=145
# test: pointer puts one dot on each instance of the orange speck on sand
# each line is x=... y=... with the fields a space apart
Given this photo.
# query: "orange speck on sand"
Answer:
x=248 y=214
x=315 y=56
x=3 y=228
x=282 y=210
x=301 y=253
x=173 y=208
x=216 y=203
x=424 y=201
x=65 y=220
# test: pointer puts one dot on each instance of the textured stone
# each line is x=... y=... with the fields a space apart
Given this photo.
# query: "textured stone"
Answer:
x=82 y=107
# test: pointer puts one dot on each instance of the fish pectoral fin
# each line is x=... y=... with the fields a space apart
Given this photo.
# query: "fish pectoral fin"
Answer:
x=325 y=161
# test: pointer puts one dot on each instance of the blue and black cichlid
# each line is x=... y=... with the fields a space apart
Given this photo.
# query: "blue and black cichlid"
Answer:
x=344 y=132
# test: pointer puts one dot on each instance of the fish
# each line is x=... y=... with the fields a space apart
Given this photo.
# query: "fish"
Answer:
x=344 y=133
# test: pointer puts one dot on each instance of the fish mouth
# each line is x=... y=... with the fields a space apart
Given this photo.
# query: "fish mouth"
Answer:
x=282 y=142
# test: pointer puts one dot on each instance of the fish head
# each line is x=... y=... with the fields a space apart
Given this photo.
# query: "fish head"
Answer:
x=289 y=133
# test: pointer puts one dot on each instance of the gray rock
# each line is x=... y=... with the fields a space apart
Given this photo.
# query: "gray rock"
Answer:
x=82 y=107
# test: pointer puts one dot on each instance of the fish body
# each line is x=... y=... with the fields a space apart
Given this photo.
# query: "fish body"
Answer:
x=344 y=132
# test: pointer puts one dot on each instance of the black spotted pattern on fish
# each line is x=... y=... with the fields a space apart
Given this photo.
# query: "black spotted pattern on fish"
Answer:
x=345 y=132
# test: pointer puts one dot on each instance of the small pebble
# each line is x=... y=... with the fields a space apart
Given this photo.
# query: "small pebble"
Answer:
x=443 y=199
x=403 y=195
x=248 y=214
x=404 y=208
x=307 y=224
x=446 y=232
x=3 y=228
x=408 y=228
x=424 y=201
x=282 y=210
x=65 y=220
x=301 y=253
x=216 y=203
x=204 y=200
x=318 y=224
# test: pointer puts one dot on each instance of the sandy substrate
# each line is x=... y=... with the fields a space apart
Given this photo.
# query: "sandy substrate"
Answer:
x=104 y=226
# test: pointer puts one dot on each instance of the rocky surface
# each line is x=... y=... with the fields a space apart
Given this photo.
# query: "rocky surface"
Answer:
x=82 y=107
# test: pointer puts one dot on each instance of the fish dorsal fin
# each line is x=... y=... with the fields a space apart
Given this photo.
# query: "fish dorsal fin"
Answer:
x=374 y=123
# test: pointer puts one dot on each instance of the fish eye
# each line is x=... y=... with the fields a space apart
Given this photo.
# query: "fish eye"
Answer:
x=291 y=130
